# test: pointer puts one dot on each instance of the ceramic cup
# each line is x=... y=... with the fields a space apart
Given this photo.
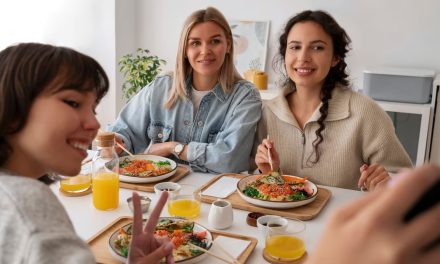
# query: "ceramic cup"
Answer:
x=220 y=215
x=276 y=221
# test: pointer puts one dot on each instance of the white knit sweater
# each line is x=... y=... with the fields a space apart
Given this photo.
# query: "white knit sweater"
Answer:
x=357 y=131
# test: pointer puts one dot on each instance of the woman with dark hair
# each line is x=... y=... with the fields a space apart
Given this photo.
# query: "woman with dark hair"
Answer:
x=318 y=126
x=48 y=97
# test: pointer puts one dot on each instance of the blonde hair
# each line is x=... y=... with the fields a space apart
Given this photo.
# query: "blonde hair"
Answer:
x=228 y=74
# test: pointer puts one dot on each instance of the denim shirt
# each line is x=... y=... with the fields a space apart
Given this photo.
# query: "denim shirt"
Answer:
x=219 y=135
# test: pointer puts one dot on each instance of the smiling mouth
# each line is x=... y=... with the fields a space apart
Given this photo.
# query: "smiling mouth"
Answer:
x=304 y=70
x=206 y=61
x=78 y=145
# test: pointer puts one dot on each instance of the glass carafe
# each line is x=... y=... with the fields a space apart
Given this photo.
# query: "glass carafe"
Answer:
x=105 y=173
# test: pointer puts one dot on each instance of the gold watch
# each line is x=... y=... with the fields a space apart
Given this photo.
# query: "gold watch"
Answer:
x=177 y=150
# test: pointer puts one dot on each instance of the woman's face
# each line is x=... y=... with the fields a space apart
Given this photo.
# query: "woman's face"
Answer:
x=206 y=48
x=309 y=55
x=60 y=127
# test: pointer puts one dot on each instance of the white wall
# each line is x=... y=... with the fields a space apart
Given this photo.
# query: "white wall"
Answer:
x=384 y=33
x=85 y=25
x=399 y=33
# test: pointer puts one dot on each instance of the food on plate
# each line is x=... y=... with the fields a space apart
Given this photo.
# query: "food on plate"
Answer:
x=274 y=187
x=180 y=231
x=143 y=168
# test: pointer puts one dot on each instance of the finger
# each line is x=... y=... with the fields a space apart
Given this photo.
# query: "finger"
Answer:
x=137 y=214
x=430 y=257
x=363 y=168
x=421 y=228
x=363 y=178
x=377 y=171
x=151 y=224
x=406 y=188
x=379 y=180
x=267 y=143
x=262 y=148
x=170 y=259
x=158 y=254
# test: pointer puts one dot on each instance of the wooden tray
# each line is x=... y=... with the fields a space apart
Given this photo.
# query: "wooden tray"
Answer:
x=181 y=172
x=100 y=248
x=305 y=212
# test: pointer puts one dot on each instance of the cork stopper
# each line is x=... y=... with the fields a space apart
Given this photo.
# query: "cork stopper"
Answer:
x=105 y=139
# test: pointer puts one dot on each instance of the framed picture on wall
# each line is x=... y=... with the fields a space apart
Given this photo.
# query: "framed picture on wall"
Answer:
x=250 y=44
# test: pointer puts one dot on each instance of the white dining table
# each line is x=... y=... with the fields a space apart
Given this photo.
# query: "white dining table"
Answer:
x=88 y=221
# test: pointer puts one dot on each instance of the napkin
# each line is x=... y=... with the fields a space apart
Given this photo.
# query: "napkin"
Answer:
x=222 y=188
x=233 y=246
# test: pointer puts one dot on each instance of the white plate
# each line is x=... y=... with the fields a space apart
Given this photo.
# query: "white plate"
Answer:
x=153 y=158
x=275 y=204
x=197 y=228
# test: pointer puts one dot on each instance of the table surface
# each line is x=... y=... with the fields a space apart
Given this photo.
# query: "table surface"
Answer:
x=88 y=221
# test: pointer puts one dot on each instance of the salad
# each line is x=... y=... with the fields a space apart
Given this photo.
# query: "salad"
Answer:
x=274 y=187
x=181 y=233
x=144 y=168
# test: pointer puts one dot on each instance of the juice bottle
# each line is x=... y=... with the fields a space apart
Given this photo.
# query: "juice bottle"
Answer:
x=105 y=167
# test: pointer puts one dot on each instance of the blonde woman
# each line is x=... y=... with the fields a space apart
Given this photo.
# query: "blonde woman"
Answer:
x=204 y=115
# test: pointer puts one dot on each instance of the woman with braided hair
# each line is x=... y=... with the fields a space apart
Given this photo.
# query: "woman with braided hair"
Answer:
x=318 y=126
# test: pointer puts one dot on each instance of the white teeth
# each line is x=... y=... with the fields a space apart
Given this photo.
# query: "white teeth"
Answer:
x=303 y=70
x=79 y=145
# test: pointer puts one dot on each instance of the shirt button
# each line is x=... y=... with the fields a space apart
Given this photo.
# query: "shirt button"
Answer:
x=160 y=135
x=200 y=123
x=186 y=122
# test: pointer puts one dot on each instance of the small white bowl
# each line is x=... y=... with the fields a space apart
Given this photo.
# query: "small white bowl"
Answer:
x=279 y=221
x=171 y=187
x=145 y=203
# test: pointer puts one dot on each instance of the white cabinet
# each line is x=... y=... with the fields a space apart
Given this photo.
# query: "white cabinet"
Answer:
x=412 y=123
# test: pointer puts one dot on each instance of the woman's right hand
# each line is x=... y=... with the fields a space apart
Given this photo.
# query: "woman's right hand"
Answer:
x=371 y=229
x=119 y=140
x=262 y=158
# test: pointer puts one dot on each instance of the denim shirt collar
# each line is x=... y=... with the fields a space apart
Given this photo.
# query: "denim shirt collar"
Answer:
x=217 y=90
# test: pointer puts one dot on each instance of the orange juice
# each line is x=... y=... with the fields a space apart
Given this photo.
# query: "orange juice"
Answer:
x=105 y=188
x=184 y=207
x=285 y=247
x=76 y=184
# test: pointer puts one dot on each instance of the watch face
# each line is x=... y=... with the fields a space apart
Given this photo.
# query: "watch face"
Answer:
x=178 y=148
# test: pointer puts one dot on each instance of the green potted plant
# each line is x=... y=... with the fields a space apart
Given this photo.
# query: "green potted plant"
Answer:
x=139 y=69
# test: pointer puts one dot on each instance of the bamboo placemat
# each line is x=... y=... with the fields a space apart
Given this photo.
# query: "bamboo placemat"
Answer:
x=305 y=212
x=99 y=243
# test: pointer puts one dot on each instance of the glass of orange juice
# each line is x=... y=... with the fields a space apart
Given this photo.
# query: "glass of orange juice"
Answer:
x=185 y=203
x=286 y=244
x=77 y=184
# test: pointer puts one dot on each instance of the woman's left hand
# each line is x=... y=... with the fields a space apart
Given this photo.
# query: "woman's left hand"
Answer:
x=373 y=177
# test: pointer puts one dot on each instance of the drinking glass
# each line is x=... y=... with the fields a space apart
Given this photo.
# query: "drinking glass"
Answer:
x=186 y=203
x=286 y=244
x=77 y=184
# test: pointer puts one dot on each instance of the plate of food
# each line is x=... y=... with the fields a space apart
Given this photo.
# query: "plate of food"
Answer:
x=182 y=233
x=145 y=168
x=277 y=191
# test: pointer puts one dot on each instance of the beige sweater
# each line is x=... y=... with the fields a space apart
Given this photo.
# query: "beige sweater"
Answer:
x=357 y=131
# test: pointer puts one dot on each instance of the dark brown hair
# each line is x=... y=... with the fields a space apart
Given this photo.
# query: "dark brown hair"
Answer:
x=337 y=74
x=25 y=72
